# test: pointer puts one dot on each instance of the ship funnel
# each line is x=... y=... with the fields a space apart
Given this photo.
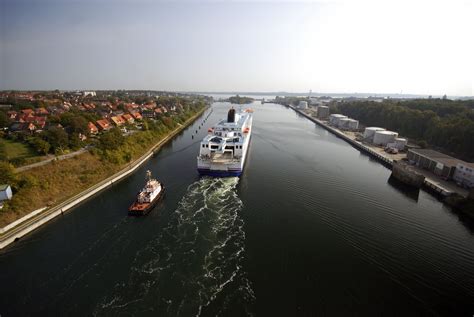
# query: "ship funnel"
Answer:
x=231 y=115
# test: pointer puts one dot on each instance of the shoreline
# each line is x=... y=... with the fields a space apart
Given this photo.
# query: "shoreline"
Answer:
x=28 y=223
x=429 y=185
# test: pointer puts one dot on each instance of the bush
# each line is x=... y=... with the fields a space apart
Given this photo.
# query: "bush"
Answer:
x=7 y=173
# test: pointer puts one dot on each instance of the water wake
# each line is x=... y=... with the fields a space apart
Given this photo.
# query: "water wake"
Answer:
x=194 y=266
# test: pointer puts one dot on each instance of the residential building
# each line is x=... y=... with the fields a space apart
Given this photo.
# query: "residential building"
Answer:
x=104 y=124
x=118 y=120
x=5 y=192
x=22 y=127
x=27 y=111
x=92 y=128
x=136 y=115
x=128 y=118
x=89 y=93
x=41 y=111
x=148 y=114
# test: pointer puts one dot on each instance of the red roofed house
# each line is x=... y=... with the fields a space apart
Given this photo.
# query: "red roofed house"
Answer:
x=131 y=106
x=127 y=117
x=136 y=115
x=12 y=114
x=118 y=120
x=104 y=124
x=41 y=111
x=40 y=122
x=92 y=128
x=27 y=111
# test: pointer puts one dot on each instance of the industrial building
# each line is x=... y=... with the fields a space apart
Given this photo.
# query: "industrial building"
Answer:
x=464 y=174
x=440 y=164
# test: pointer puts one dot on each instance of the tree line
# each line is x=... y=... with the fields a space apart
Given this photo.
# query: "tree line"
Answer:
x=445 y=124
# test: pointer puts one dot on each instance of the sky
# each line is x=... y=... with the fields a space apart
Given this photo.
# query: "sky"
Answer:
x=340 y=46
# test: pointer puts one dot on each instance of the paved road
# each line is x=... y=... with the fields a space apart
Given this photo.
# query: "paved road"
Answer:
x=49 y=160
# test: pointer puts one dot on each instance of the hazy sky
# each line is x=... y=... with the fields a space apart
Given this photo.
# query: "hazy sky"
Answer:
x=379 y=46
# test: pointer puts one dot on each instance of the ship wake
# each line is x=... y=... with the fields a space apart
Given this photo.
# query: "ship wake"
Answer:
x=195 y=265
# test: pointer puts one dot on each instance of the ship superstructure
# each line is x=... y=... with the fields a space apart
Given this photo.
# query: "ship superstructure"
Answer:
x=223 y=151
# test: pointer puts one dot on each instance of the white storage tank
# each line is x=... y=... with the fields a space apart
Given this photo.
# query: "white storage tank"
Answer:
x=400 y=143
x=384 y=137
x=323 y=112
x=334 y=118
x=352 y=124
x=370 y=131
x=343 y=123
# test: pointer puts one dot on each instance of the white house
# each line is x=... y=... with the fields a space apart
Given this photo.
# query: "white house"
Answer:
x=89 y=93
x=5 y=192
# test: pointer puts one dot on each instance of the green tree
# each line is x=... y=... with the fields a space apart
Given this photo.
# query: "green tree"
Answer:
x=3 y=152
x=75 y=122
x=74 y=141
x=58 y=139
x=41 y=146
x=7 y=173
x=4 y=122
x=111 y=140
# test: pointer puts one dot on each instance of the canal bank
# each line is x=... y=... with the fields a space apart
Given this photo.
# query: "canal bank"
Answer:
x=431 y=185
x=36 y=219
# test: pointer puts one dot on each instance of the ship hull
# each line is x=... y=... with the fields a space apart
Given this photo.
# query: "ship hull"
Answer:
x=218 y=173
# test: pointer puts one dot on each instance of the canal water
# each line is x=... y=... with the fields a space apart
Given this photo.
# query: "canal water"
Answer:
x=313 y=227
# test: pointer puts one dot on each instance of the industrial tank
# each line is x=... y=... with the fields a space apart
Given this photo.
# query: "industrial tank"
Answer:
x=400 y=143
x=323 y=112
x=334 y=118
x=384 y=137
x=343 y=123
x=370 y=131
x=352 y=124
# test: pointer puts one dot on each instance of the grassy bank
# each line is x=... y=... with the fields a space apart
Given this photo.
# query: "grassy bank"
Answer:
x=18 y=153
x=53 y=183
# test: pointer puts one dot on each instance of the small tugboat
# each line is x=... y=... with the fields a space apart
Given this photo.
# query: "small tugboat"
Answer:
x=147 y=197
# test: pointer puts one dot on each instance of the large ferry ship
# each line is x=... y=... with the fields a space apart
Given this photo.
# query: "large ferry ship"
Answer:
x=147 y=197
x=224 y=149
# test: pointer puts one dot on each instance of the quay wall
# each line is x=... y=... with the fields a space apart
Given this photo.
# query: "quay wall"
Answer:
x=36 y=219
x=428 y=184
x=382 y=159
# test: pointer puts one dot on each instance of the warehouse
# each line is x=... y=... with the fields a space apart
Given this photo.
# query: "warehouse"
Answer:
x=464 y=174
x=441 y=164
